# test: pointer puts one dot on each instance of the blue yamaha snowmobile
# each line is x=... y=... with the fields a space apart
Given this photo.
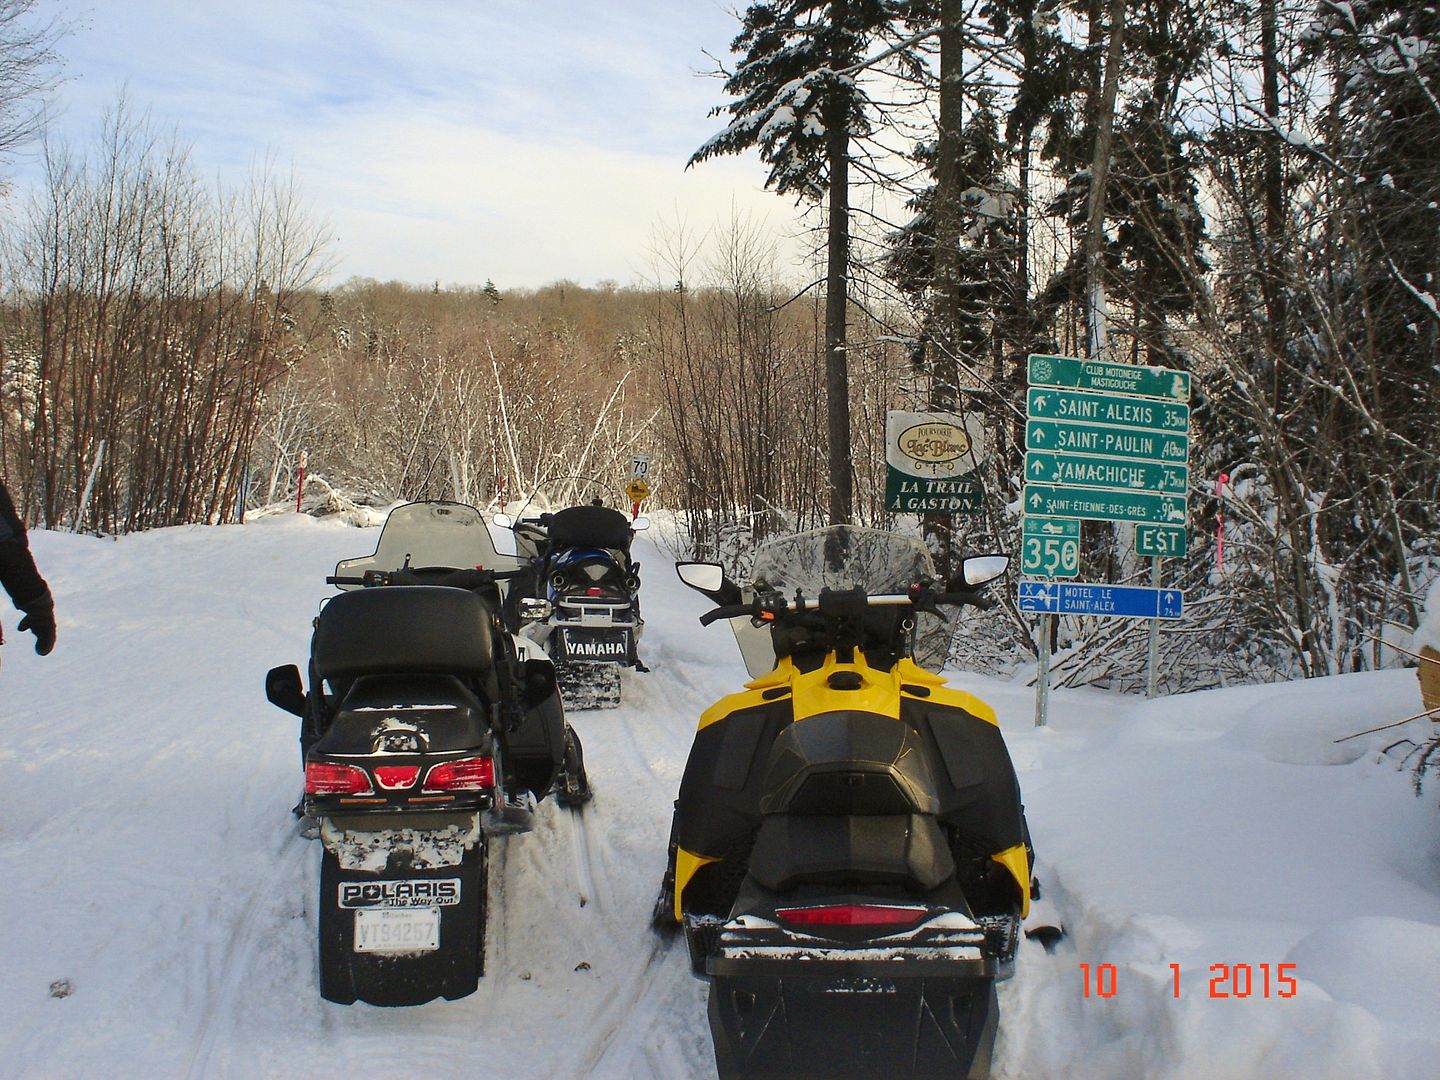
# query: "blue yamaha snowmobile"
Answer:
x=579 y=562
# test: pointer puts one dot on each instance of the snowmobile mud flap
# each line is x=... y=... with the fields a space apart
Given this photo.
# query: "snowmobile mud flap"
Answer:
x=403 y=936
x=792 y=1019
x=614 y=645
x=588 y=685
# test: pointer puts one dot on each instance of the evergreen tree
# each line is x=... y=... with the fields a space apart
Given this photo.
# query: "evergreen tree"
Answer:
x=800 y=103
x=1154 y=262
x=986 y=252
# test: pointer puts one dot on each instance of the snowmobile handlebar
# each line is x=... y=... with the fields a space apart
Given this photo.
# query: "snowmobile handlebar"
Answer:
x=457 y=577
x=532 y=526
x=773 y=607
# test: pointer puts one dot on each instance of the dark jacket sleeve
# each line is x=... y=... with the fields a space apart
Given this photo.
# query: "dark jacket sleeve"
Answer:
x=17 y=566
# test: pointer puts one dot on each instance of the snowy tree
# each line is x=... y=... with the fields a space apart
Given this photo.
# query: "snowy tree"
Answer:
x=799 y=102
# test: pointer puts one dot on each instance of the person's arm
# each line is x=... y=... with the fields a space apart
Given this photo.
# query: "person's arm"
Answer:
x=22 y=579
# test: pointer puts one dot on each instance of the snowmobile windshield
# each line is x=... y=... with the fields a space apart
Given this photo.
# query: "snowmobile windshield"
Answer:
x=843 y=557
x=430 y=534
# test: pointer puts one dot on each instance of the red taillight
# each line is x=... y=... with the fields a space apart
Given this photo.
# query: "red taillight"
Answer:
x=395 y=777
x=594 y=590
x=852 y=915
x=466 y=774
x=327 y=778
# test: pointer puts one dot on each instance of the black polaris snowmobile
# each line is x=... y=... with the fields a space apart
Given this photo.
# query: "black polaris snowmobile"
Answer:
x=849 y=859
x=427 y=730
x=579 y=561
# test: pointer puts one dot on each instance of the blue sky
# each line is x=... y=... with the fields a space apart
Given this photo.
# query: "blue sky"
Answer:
x=440 y=139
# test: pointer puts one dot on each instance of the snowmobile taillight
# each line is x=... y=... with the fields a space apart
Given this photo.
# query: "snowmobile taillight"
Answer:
x=328 y=778
x=852 y=915
x=594 y=590
x=396 y=777
x=463 y=774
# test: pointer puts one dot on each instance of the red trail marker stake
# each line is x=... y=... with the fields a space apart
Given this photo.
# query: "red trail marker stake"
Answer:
x=1220 y=482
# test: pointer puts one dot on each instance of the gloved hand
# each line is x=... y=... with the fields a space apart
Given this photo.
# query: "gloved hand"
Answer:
x=42 y=622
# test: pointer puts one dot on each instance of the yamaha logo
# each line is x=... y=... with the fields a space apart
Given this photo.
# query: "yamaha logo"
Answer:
x=600 y=649
x=400 y=894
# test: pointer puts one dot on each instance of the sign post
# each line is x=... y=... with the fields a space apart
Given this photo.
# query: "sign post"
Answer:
x=932 y=462
x=638 y=489
x=1104 y=442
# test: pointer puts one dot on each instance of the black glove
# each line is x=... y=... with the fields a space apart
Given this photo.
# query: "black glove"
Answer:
x=42 y=622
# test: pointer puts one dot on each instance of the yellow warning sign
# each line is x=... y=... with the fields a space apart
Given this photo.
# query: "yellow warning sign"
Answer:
x=638 y=490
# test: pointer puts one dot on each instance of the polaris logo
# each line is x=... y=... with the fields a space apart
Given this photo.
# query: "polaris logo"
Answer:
x=400 y=894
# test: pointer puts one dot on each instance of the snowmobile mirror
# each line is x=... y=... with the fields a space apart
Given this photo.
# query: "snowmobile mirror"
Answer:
x=640 y=524
x=979 y=569
x=505 y=521
x=535 y=608
x=705 y=577
x=709 y=579
x=284 y=688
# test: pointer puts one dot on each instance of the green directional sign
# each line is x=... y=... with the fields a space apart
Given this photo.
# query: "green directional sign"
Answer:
x=1140 y=445
x=906 y=494
x=1141 y=506
x=1072 y=470
x=1049 y=547
x=1045 y=403
x=1162 y=541
x=1067 y=371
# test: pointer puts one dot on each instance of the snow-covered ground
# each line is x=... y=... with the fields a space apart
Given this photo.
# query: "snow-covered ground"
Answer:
x=159 y=907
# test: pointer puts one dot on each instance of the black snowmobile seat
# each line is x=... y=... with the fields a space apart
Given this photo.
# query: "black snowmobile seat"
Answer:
x=589 y=526
x=906 y=849
x=404 y=629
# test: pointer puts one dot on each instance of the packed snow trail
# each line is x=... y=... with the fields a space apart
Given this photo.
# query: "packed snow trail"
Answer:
x=152 y=868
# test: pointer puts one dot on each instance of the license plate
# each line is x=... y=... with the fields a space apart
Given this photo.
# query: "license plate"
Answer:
x=596 y=645
x=397 y=930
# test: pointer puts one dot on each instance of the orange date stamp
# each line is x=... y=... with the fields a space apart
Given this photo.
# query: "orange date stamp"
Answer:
x=1230 y=981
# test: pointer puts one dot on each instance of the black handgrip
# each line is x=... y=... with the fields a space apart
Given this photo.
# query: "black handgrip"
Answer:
x=726 y=611
x=344 y=581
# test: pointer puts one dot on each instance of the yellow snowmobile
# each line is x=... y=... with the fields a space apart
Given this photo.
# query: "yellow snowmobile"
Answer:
x=849 y=859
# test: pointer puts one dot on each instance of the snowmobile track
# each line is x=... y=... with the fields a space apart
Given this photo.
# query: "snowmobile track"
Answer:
x=584 y=866
x=497 y=928
x=235 y=959
x=640 y=987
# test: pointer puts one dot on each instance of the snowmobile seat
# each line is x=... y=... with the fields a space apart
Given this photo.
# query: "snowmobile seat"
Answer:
x=589 y=526
x=907 y=849
x=404 y=629
x=850 y=796
x=851 y=763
